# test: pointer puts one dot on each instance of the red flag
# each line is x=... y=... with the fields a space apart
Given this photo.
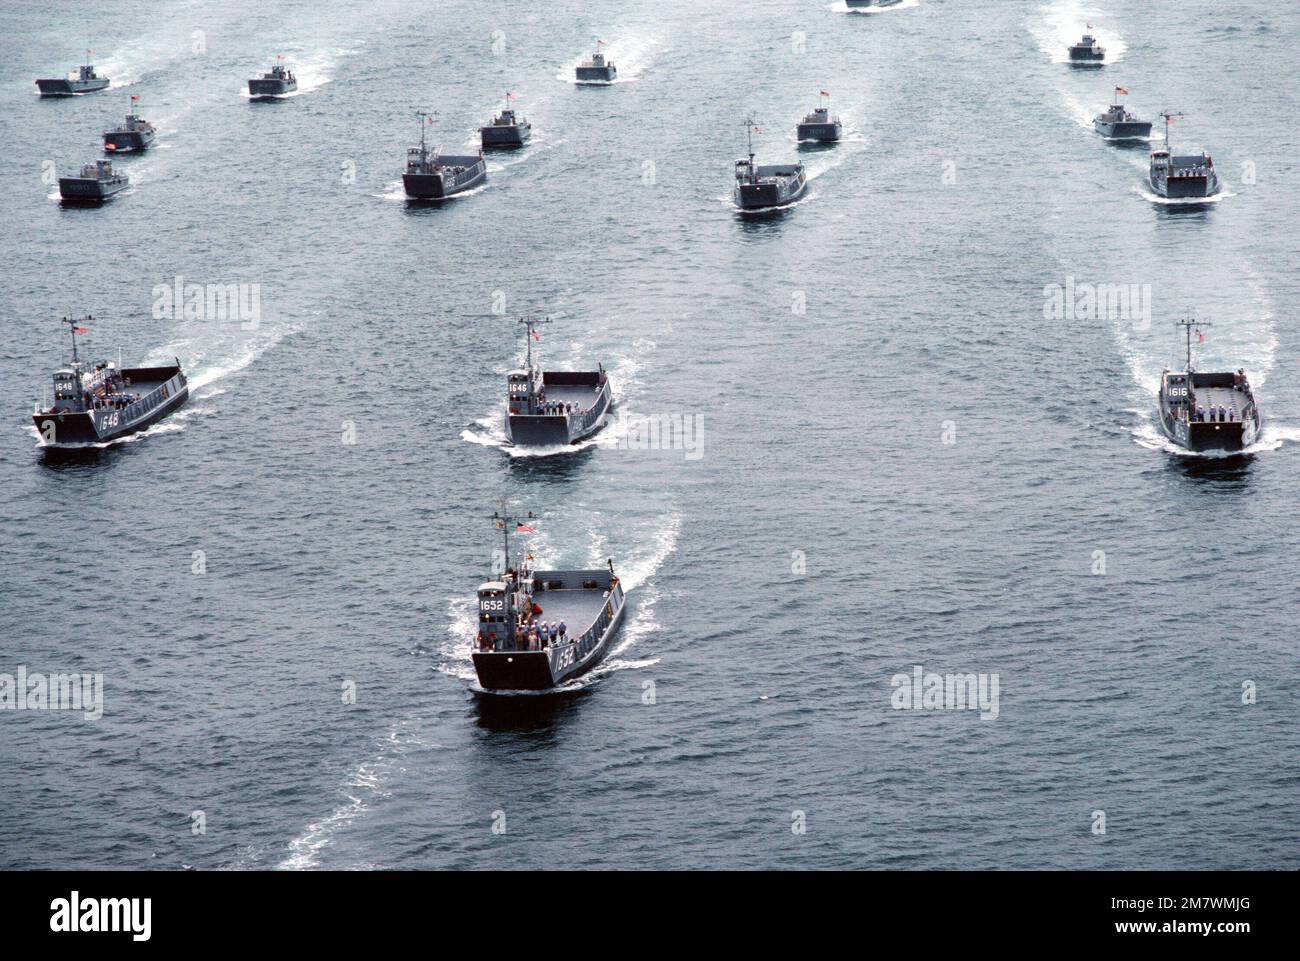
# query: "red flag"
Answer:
x=509 y=95
x=825 y=94
x=1200 y=337
x=1121 y=90
x=536 y=336
x=135 y=96
x=522 y=528
x=81 y=330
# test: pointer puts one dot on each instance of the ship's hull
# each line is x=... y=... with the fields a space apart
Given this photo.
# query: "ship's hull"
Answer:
x=130 y=141
x=1123 y=129
x=865 y=4
x=1087 y=57
x=84 y=189
x=819 y=132
x=447 y=182
x=760 y=196
x=270 y=89
x=596 y=74
x=1204 y=437
x=62 y=87
x=1185 y=188
x=557 y=430
x=544 y=670
x=103 y=426
x=507 y=136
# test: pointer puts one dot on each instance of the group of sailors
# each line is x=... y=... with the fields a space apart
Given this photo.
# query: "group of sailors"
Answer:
x=539 y=635
x=554 y=407
x=1220 y=414
x=111 y=401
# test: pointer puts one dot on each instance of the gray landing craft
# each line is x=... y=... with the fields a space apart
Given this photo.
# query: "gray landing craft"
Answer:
x=98 y=181
x=1118 y=124
x=131 y=136
x=552 y=408
x=514 y=649
x=275 y=83
x=819 y=126
x=597 y=69
x=761 y=187
x=1181 y=177
x=95 y=403
x=866 y=4
x=433 y=175
x=1204 y=411
x=83 y=81
x=507 y=128
x=1087 y=52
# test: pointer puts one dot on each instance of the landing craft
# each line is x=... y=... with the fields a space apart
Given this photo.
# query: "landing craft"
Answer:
x=132 y=136
x=513 y=649
x=95 y=403
x=759 y=188
x=276 y=82
x=597 y=69
x=433 y=175
x=507 y=129
x=97 y=182
x=84 y=80
x=1189 y=176
x=1207 y=411
x=819 y=126
x=554 y=407
x=1087 y=52
x=1118 y=124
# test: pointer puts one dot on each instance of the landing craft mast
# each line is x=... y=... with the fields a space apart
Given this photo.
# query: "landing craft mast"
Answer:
x=530 y=326
x=72 y=329
x=1188 y=324
x=504 y=522
x=1169 y=116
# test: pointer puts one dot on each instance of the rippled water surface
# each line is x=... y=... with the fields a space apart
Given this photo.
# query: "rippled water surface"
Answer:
x=906 y=461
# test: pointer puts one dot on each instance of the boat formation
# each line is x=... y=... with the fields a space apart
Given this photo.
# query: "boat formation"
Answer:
x=597 y=69
x=1207 y=411
x=85 y=80
x=761 y=187
x=275 y=83
x=101 y=402
x=539 y=628
x=132 y=135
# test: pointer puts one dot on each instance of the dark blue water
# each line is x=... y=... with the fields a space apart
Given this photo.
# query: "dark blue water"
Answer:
x=828 y=537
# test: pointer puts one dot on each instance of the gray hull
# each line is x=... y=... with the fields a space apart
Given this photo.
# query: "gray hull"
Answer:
x=593 y=618
x=131 y=141
x=597 y=74
x=62 y=87
x=458 y=175
x=271 y=88
x=101 y=426
x=771 y=190
x=1123 y=130
x=819 y=132
x=80 y=188
x=505 y=136
x=1185 y=188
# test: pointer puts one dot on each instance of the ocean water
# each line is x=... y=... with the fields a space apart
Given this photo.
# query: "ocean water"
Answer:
x=906 y=459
